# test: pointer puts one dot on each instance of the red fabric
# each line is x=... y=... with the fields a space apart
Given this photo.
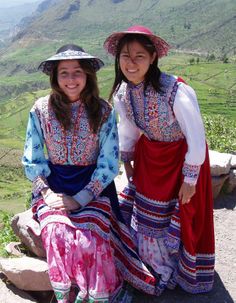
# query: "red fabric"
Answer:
x=158 y=176
x=179 y=79
x=158 y=167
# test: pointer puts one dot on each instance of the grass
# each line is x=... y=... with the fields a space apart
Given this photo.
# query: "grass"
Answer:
x=6 y=233
x=14 y=188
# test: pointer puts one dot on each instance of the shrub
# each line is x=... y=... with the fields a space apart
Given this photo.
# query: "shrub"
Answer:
x=220 y=133
x=6 y=232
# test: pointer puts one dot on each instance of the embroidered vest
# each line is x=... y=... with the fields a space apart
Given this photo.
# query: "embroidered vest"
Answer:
x=153 y=112
x=79 y=144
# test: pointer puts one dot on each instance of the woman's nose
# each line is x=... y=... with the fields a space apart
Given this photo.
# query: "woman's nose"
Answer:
x=71 y=77
x=131 y=60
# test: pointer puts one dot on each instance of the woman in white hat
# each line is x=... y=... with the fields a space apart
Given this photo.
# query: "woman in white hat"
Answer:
x=168 y=202
x=73 y=188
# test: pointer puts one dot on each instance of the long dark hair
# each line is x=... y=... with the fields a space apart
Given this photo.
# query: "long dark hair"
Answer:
x=89 y=95
x=153 y=74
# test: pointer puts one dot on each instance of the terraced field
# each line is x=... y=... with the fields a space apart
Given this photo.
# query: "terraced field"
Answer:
x=214 y=83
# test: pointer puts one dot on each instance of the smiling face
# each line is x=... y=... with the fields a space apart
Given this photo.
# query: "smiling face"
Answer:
x=71 y=78
x=135 y=61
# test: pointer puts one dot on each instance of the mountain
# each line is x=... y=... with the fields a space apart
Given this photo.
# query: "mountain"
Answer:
x=10 y=15
x=199 y=26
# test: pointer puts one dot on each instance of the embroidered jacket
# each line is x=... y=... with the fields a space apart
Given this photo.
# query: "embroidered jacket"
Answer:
x=170 y=115
x=77 y=146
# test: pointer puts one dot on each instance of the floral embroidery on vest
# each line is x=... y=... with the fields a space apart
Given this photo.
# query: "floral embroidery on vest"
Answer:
x=79 y=143
x=153 y=112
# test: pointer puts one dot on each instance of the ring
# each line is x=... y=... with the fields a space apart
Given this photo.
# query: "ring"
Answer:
x=130 y=179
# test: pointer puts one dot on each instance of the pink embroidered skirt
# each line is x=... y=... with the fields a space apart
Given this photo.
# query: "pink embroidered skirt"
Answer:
x=79 y=253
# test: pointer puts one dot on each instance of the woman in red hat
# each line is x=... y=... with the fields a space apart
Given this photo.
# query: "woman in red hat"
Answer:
x=168 y=203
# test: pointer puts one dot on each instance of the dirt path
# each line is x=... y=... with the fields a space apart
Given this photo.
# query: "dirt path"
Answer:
x=224 y=290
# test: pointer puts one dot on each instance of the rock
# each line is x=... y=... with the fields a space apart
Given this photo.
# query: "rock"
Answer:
x=28 y=230
x=10 y=294
x=27 y=273
x=220 y=163
x=217 y=184
x=14 y=248
x=233 y=161
x=231 y=182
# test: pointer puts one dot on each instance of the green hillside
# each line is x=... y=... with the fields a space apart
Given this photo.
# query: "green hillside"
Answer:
x=199 y=25
x=215 y=85
x=205 y=26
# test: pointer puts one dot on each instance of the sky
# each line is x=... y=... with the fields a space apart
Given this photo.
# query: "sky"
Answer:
x=4 y=3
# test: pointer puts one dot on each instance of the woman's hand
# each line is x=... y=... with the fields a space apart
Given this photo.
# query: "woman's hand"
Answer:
x=59 y=201
x=186 y=192
x=69 y=203
x=129 y=170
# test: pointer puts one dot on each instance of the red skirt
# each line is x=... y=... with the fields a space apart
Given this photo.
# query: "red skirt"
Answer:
x=153 y=205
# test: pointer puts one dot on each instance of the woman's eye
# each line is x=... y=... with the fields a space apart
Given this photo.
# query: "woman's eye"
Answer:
x=63 y=74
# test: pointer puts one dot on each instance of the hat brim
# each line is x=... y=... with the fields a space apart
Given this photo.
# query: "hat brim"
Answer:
x=113 y=40
x=47 y=65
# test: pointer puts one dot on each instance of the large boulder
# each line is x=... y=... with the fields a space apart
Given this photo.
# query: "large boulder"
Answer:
x=231 y=182
x=26 y=273
x=220 y=163
x=217 y=184
x=10 y=294
x=28 y=230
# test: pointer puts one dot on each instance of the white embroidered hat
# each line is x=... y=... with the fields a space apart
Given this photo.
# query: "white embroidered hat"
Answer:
x=70 y=52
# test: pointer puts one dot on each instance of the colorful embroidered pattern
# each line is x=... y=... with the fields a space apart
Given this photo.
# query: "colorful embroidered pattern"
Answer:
x=80 y=253
x=152 y=112
x=85 y=144
x=47 y=66
x=191 y=172
x=194 y=274
x=112 y=42
x=39 y=183
x=95 y=187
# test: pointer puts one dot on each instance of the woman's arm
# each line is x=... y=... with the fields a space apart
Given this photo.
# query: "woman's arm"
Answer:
x=34 y=161
x=187 y=113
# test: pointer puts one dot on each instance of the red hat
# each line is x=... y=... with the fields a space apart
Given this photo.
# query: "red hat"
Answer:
x=113 y=40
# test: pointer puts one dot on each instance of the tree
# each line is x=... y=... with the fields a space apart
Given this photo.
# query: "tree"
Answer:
x=225 y=59
x=211 y=57
x=192 y=61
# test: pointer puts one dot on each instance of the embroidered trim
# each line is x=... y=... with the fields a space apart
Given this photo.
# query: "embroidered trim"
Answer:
x=95 y=187
x=39 y=183
x=191 y=173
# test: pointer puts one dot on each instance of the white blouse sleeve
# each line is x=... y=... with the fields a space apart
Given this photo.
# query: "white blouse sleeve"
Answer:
x=188 y=115
x=128 y=132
